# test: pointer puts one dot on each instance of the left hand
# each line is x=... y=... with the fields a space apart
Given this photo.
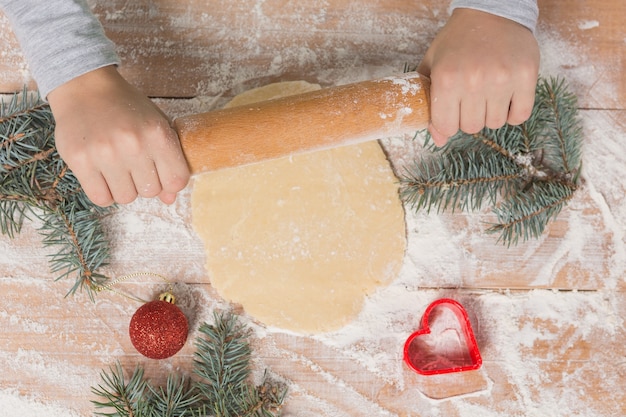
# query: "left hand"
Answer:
x=116 y=141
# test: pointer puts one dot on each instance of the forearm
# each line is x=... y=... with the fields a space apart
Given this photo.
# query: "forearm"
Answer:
x=61 y=39
x=524 y=12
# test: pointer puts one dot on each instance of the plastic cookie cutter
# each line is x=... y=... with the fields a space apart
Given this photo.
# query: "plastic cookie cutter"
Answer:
x=445 y=343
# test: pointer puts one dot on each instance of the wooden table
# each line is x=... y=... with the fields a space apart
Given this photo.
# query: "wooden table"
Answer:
x=548 y=314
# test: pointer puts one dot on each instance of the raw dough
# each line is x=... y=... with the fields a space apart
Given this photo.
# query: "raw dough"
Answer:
x=299 y=242
x=272 y=91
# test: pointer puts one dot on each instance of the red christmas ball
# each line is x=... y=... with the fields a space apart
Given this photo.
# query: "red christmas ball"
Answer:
x=158 y=329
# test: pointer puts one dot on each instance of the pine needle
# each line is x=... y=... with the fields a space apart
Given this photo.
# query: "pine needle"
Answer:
x=35 y=182
x=527 y=173
x=224 y=389
x=123 y=399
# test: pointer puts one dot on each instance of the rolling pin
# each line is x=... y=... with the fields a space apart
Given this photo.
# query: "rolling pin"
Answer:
x=316 y=120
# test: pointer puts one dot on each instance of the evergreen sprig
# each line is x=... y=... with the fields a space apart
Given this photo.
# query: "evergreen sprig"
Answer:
x=527 y=173
x=222 y=363
x=35 y=181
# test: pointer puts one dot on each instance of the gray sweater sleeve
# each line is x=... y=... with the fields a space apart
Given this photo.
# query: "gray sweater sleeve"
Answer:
x=524 y=12
x=61 y=39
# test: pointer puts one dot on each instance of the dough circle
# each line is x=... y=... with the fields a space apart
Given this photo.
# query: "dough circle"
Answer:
x=300 y=241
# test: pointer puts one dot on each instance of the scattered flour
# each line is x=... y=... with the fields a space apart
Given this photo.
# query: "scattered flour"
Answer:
x=15 y=404
x=588 y=24
x=516 y=331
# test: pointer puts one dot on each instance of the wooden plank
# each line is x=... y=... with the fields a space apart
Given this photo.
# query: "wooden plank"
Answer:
x=205 y=48
x=14 y=72
x=210 y=48
x=594 y=29
x=540 y=349
x=545 y=351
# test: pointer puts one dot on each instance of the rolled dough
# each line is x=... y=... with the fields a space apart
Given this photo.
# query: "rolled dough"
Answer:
x=300 y=242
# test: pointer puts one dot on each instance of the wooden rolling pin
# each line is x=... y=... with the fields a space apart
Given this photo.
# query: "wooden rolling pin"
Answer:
x=311 y=121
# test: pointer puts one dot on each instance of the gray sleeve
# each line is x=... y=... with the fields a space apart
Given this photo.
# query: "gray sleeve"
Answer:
x=524 y=12
x=61 y=39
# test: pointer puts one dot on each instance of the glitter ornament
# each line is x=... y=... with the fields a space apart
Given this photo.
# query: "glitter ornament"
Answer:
x=158 y=329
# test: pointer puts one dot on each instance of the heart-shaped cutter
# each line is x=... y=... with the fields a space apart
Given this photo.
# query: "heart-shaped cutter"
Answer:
x=432 y=362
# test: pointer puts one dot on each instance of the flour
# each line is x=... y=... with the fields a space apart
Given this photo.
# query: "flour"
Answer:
x=405 y=82
x=591 y=82
x=18 y=405
x=523 y=336
x=588 y=24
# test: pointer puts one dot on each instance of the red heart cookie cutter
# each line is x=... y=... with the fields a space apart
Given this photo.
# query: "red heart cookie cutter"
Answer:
x=445 y=343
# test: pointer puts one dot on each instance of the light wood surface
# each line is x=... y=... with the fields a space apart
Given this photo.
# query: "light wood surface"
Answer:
x=548 y=314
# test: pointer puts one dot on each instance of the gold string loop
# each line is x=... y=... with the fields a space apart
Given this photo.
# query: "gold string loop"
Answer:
x=110 y=286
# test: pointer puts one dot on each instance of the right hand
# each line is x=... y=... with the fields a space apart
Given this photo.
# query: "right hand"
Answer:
x=483 y=70
x=117 y=141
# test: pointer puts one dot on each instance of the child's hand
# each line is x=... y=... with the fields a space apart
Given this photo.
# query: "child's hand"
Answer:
x=483 y=70
x=116 y=141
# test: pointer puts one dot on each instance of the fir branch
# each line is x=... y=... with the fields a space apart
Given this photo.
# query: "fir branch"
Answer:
x=224 y=390
x=266 y=400
x=222 y=354
x=177 y=399
x=558 y=108
x=125 y=398
x=18 y=107
x=12 y=215
x=533 y=167
x=527 y=214
x=223 y=363
x=82 y=248
x=458 y=180
x=34 y=158
x=34 y=180
x=489 y=138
